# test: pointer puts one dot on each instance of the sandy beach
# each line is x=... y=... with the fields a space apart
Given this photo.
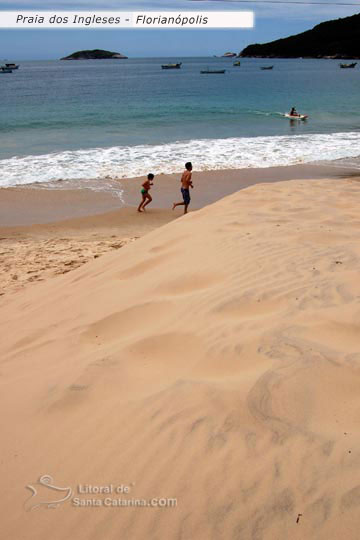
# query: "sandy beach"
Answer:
x=48 y=232
x=35 y=204
x=32 y=253
x=213 y=362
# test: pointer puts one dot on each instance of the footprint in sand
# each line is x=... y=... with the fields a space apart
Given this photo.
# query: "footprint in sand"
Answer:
x=142 y=267
x=248 y=308
x=125 y=322
x=189 y=283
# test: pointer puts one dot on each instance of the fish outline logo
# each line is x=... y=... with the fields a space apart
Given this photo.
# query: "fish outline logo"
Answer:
x=47 y=481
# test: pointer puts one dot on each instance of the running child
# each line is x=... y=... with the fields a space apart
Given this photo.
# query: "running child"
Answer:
x=146 y=197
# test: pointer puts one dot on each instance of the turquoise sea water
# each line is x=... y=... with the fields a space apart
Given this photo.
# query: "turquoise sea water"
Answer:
x=92 y=119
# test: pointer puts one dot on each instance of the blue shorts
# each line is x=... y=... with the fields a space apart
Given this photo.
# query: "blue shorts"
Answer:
x=186 y=195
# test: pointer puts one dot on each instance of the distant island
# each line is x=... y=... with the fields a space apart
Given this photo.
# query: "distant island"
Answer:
x=332 y=39
x=95 y=54
x=229 y=55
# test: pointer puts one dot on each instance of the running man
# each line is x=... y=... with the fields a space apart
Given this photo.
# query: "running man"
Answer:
x=146 y=197
x=186 y=184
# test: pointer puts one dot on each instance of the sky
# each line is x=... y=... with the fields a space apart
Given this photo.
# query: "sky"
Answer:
x=273 y=21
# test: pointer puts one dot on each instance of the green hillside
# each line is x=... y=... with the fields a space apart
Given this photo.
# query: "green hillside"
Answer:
x=332 y=39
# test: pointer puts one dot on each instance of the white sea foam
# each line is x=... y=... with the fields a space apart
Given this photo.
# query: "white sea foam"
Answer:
x=131 y=161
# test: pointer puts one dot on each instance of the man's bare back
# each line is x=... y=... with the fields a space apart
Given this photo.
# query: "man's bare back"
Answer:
x=186 y=184
x=186 y=179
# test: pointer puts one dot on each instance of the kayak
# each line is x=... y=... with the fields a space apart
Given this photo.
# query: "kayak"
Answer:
x=297 y=117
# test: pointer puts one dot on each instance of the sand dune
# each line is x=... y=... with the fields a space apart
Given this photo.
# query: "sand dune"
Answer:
x=214 y=360
x=29 y=254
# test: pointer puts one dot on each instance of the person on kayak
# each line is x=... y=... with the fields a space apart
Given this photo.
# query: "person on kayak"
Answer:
x=294 y=112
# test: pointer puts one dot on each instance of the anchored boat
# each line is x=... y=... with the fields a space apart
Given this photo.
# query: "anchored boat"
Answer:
x=12 y=66
x=171 y=66
x=347 y=66
x=265 y=68
x=212 y=71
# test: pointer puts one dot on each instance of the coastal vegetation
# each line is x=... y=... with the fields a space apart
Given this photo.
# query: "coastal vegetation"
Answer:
x=95 y=54
x=337 y=39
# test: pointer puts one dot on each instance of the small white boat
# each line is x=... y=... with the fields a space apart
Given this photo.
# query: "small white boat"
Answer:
x=296 y=116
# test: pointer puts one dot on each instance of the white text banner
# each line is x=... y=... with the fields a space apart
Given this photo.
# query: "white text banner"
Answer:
x=121 y=19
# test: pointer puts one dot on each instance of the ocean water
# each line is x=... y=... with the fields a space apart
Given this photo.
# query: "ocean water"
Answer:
x=91 y=121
